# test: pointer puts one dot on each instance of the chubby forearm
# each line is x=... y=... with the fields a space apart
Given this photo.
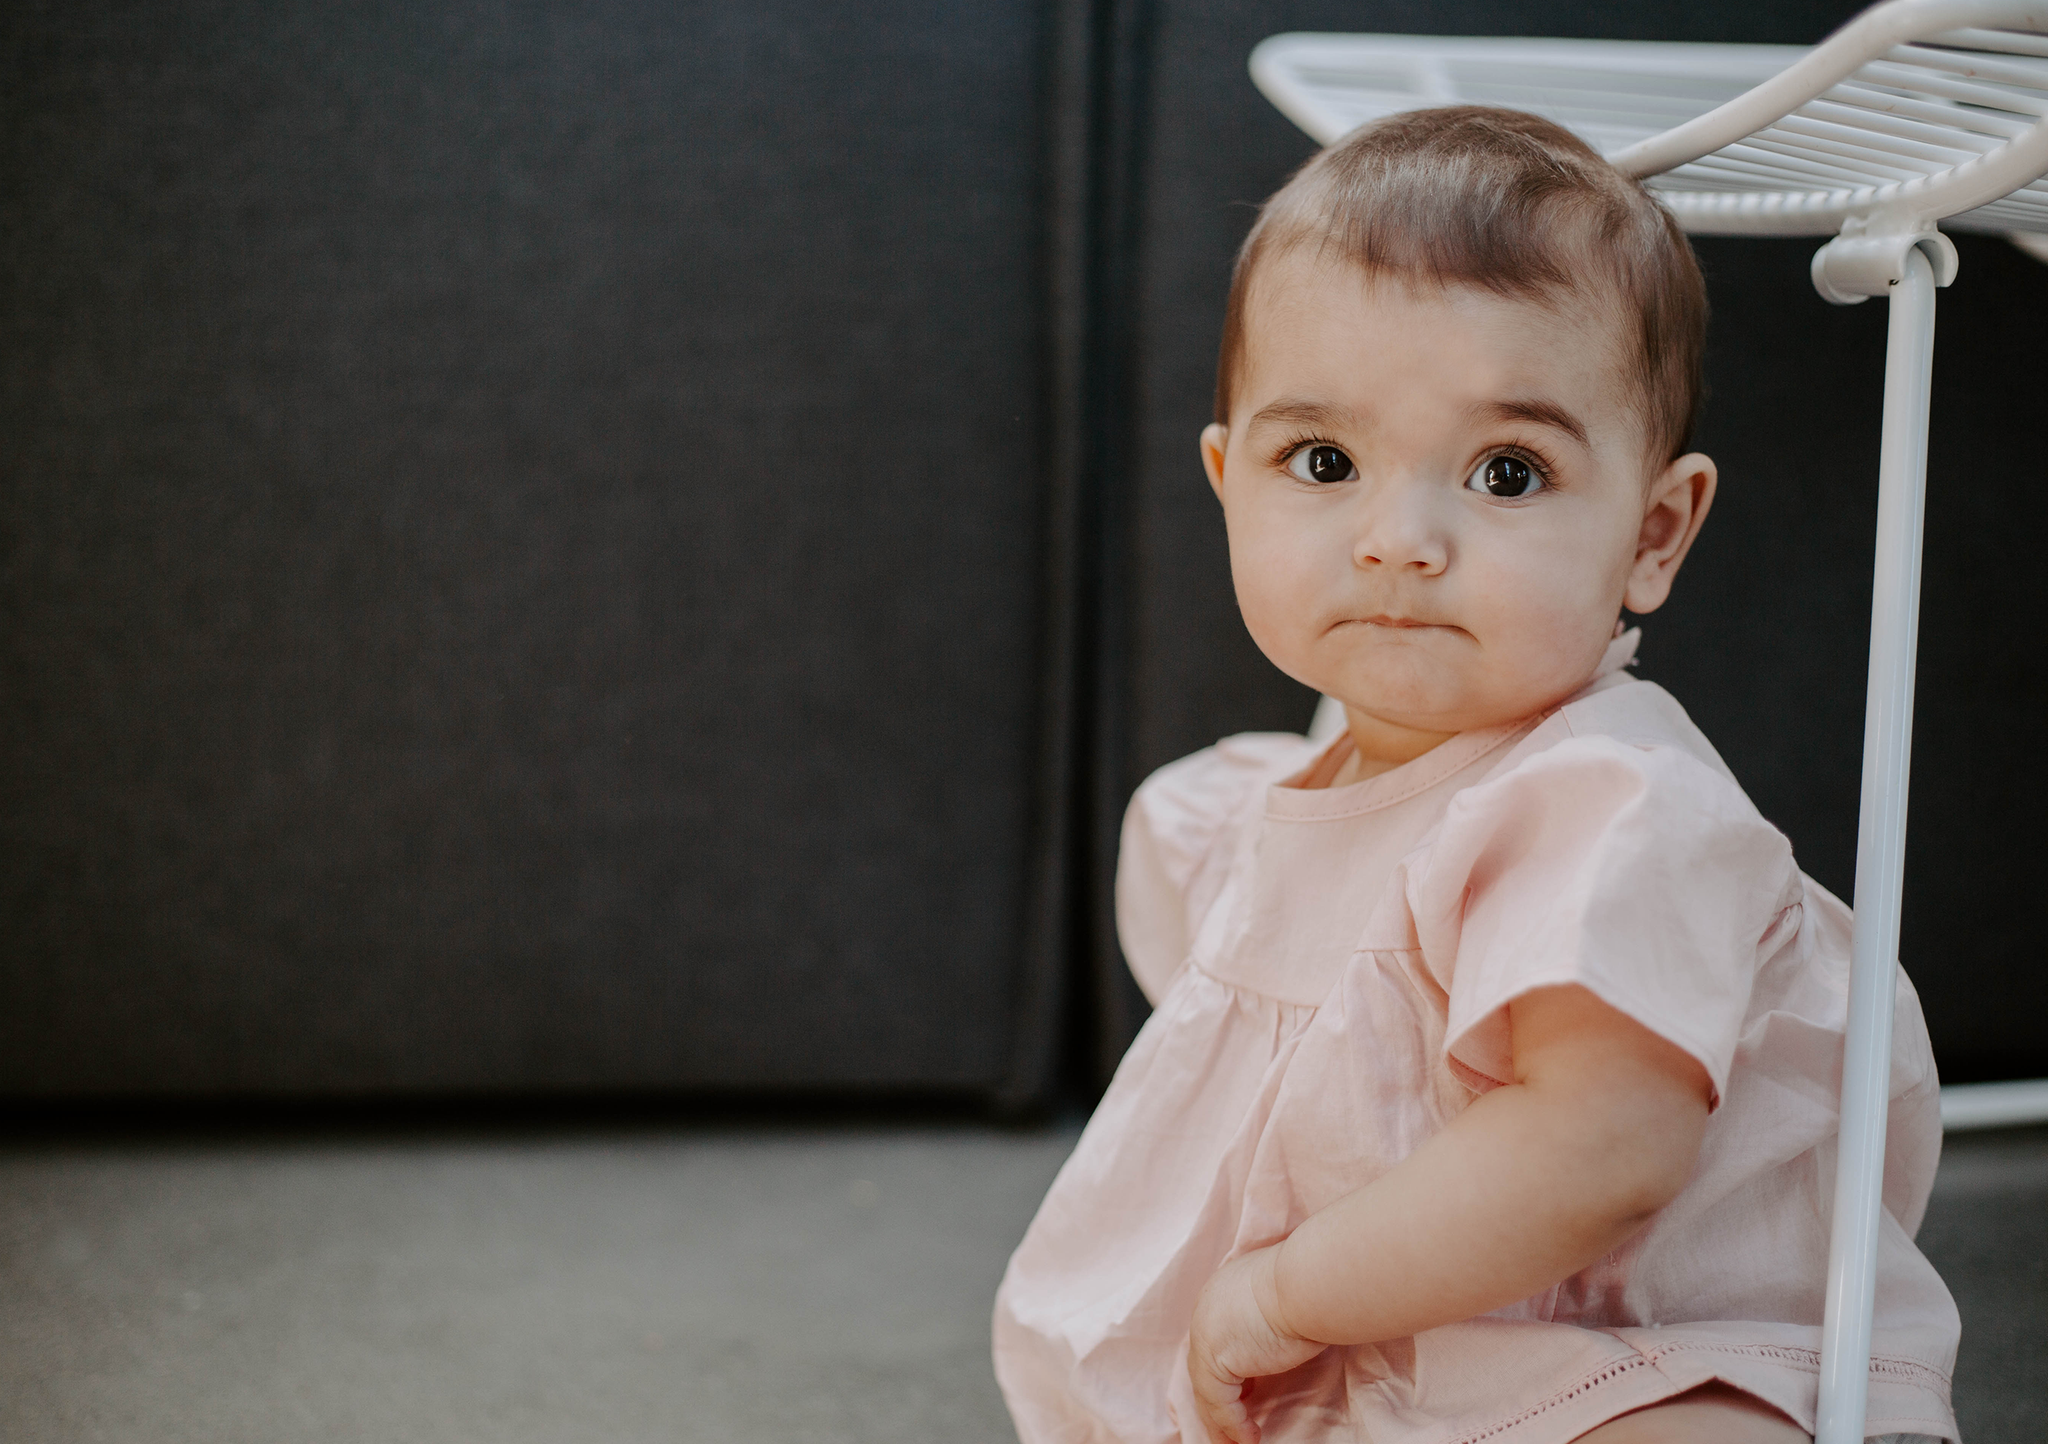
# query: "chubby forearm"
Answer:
x=1600 y=1128
x=1530 y=1184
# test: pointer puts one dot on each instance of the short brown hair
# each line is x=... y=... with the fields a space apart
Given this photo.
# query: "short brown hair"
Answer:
x=1510 y=202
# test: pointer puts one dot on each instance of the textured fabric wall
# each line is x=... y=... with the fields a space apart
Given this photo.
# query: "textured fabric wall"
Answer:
x=517 y=555
x=589 y=547
x=1765 y=640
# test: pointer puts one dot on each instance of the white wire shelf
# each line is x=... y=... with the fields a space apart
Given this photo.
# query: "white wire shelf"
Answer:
x=1899 y=123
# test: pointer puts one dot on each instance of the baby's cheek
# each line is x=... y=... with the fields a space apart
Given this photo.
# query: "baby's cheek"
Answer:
x=1278 y=591
x=1565 y=657
x=1554 y=634
x=1271 y=613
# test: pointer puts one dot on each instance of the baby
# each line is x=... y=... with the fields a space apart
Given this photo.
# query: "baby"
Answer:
x=1490 y=1088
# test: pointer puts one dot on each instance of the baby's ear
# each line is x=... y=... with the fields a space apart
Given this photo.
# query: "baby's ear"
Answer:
x=1215 y=442
x=1673 y=510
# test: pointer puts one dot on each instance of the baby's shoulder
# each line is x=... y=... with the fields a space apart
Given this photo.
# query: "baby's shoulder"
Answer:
x=1618 y=775
x=1198 y=793
x=1624 y=726
x=1638 y=714
x=1174 y=851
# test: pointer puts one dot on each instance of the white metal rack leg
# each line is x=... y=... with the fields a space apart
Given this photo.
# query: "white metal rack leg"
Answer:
x=1880 y=857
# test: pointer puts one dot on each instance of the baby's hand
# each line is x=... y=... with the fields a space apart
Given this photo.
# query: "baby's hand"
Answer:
x=1238 y=1336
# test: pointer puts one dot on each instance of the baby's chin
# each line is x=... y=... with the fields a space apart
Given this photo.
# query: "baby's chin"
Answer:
x=1441 y=701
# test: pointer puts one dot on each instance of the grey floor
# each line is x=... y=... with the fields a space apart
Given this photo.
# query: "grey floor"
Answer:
x=748 y=1286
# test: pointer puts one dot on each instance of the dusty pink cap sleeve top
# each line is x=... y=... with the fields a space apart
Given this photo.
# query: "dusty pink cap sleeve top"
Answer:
x=1330 y=969
x=1638 y=873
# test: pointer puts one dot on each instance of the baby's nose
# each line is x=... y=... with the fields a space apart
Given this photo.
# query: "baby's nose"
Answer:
x=1401 y=532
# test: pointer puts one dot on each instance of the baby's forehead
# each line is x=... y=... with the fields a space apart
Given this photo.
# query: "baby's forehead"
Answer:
x=1582 y=311
x=1299 y=296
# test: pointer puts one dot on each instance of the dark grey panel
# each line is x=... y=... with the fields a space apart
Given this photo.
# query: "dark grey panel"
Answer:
x=1766 y=637
x=517 y=546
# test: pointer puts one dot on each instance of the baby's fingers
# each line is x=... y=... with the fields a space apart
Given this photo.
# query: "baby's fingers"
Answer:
x=1220 y=1399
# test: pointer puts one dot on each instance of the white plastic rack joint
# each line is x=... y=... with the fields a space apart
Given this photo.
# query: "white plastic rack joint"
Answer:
x=1859 y=264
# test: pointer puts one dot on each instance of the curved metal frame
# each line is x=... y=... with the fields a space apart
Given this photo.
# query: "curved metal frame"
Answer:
x=1912 y=205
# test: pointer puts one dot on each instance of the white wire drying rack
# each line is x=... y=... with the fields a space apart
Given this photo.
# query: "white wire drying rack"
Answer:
x=1914 y=115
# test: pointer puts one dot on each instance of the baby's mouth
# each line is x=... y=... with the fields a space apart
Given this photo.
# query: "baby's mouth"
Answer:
x=1392 y=627
x=1400 y=623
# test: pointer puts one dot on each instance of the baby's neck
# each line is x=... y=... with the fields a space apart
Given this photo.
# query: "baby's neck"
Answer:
x=1378 y=745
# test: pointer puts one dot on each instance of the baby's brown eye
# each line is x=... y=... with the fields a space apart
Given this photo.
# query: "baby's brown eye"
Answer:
x=1508 y=476
x=1321 y=464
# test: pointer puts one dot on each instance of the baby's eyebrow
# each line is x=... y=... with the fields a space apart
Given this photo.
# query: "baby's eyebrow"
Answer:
x=1310 y=415
x=1540 y=412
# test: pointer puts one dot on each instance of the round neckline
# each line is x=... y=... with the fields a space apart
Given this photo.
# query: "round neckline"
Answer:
x=1397 y=784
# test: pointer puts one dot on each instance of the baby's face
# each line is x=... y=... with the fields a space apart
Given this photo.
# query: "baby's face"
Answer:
x=1438 y=499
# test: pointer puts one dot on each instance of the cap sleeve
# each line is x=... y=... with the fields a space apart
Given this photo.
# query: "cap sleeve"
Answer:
x=1638 y=873
x=1166 y=872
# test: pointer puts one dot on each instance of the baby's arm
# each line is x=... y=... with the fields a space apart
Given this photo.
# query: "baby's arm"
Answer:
x=1531 y=1183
